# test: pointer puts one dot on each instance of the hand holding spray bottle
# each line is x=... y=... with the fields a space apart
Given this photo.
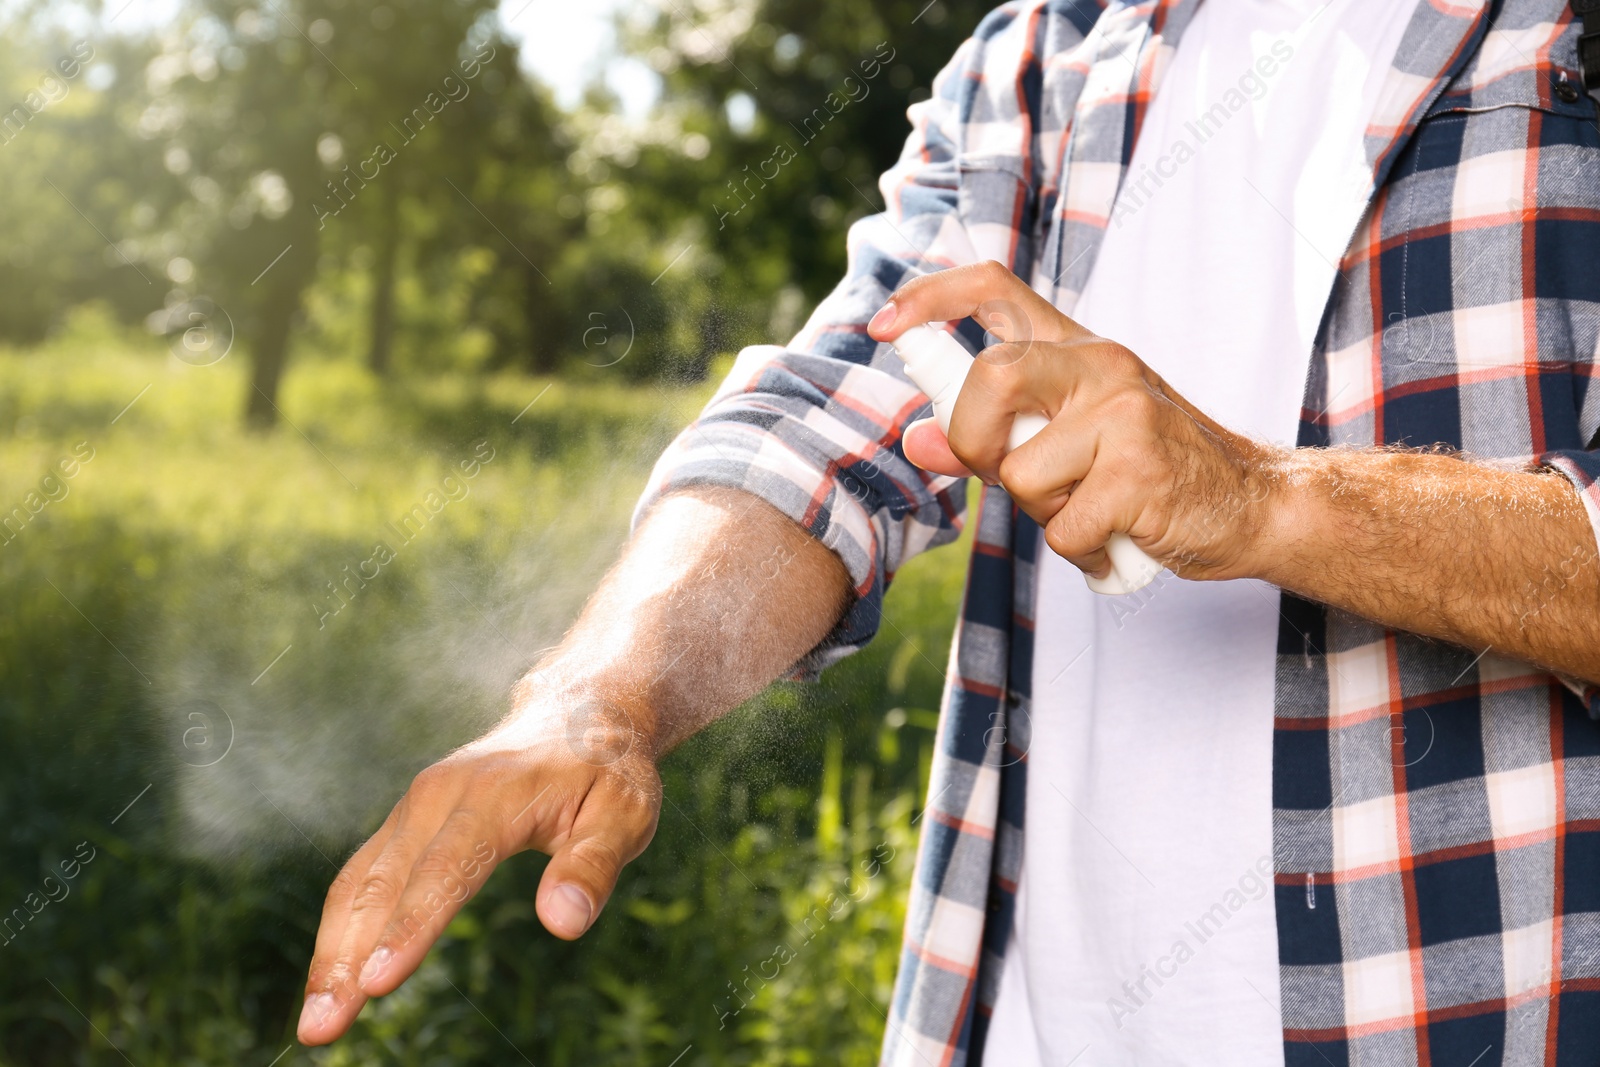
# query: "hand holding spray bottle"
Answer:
x=938 y=365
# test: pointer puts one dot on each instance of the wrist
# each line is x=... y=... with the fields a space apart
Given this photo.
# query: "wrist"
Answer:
x=598 y=717
x=1284 y=519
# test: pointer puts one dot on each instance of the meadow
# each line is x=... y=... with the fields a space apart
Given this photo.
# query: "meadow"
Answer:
x=202 y=714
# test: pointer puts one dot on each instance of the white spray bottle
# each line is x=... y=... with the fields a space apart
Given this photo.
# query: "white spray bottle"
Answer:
x=938 y=365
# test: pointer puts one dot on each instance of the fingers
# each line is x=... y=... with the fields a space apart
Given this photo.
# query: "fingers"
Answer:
x=332 y=998
x=927 y=447
x=361 y=904
x=336 y=908
x=1041 y=474
x=987 y=292
x=1007 y=380
x=1091 y=383
x=449 y=872
x=616 y=822
x=1100 y=506
x=459 y=819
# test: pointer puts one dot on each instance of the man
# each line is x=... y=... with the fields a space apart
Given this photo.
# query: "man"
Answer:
x=1345 y=262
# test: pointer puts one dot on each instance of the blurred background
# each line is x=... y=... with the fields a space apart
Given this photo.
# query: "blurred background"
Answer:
x=271 y=272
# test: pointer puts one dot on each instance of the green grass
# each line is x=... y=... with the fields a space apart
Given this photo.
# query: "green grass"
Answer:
x=186 y=556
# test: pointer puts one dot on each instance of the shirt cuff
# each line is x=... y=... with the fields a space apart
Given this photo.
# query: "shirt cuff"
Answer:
x=818 y=438
x=736 y=455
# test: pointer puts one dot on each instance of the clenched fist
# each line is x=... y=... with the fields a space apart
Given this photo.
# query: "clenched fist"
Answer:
x=1123 y=452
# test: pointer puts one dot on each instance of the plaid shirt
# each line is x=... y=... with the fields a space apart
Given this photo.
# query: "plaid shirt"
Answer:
x=1441 y=809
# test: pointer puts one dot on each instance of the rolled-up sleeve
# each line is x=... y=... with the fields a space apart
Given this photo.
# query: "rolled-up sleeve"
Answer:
x=814 y=428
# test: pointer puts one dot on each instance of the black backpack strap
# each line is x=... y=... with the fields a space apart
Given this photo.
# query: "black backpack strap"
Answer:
x=1588 y=11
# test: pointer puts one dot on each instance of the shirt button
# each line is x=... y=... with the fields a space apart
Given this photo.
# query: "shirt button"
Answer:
x=1565 y=89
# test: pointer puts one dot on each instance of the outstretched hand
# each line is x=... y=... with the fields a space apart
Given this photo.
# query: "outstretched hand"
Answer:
x=571 y=782
x=716 y=594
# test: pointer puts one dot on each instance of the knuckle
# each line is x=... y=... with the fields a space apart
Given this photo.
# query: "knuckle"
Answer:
x=1028 y=352
x=1009 y=383
x=631 y=819
x=1073 y=531
x=343 y=889
x=640 y=811
x=434 y=867
x=1058 y=534
x=994 y=270
x=1023 y=478
x=1132 y=407
x=379 y=889
x=1001 y=386
x=1063 y=541
x=429 y=781
x=317 y=974
x=336 y=977
x=1118 y=361
x=991 y=356
x=600 y=857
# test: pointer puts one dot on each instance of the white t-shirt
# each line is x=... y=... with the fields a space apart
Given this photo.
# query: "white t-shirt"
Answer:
x=1145 y=927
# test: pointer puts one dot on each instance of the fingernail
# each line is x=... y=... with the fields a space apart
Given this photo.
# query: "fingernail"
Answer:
x=317 y=1009
x=883 y=319
x=376 y=964
x=569 y=910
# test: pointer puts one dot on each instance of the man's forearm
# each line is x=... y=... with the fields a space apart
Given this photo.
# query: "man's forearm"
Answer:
x=1431 y=544
x=717 y=594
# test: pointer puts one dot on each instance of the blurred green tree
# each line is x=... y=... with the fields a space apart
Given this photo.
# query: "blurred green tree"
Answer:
x=293 y=117
x=778 y=117
x=253 y=149
x=75 y=193
x=509 y=204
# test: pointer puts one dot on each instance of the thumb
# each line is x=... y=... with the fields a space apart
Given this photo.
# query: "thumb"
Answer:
x=927 y=447
x=609 y=832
